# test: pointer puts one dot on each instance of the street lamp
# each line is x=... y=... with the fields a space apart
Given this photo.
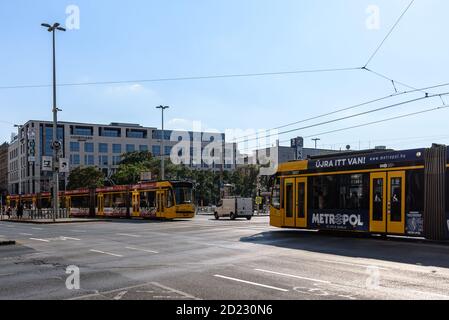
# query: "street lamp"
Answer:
x=162 y=143
x=316 y=142
x=56 y=144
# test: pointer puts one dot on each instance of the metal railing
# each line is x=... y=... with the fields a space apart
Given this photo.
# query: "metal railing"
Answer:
x=37 y=214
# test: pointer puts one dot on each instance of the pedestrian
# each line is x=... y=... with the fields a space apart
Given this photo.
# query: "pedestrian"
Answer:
x=20 y=211
x=8 y=212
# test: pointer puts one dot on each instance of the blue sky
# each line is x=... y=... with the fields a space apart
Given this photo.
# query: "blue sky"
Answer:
x=141 y=39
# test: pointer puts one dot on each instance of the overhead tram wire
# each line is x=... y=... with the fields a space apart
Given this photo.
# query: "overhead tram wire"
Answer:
x=349 y=117
x=223 y=76
x=370 y=123
x=389 y=34
x=344 y=109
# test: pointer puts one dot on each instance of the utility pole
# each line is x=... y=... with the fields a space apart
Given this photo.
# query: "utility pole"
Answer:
x=316 y=142
x=56 y=143
x=162 y=143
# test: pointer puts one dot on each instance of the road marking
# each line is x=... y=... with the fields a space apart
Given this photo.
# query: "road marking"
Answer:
x=128 y=235
x=25 y=234
x=42 y=240
x=135 y=287
x=120 y=295
x=252 y=283
x=354 y=264
x=68 y=238
x=144 y=250
x=293 y=276
x=107 y=253
x=80 y=231
x=430 y=293
x=37 y=228
x=174 y=291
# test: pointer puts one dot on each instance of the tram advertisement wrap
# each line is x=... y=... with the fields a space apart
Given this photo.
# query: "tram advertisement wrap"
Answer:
x=339 y=220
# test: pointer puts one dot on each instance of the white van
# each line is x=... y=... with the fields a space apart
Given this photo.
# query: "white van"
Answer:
x=235 y=208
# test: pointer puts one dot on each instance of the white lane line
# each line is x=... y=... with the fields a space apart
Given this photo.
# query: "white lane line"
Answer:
x=144 y=250
x=42 y=240
x=251 y=283
x=107 y=253
x=184 y=294
x=68 y=238
x=354 y=264
x=431 y=294
x=128 y=235
x=37 y=228
x=292 y=276
x=25 y=234
x=79 y=231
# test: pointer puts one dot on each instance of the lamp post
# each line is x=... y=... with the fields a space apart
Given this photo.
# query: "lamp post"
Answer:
x=316 y=142
x=162 y=143
x=56 y=143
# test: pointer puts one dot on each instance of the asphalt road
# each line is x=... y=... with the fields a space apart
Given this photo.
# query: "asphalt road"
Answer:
x=208 y=259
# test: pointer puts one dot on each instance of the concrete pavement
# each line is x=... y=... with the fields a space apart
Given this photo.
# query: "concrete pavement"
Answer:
x=208 y=259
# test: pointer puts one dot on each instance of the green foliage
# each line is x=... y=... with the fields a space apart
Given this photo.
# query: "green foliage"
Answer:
x=85 y=177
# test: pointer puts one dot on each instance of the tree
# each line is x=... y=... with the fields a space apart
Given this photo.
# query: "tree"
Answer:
x=85 y=177
x=136 y=157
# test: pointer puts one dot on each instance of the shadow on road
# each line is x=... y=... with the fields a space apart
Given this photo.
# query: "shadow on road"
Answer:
x=408 y=251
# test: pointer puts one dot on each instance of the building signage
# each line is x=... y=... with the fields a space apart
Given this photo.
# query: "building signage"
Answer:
x=47 y=164
x=64 y=166
x=381 y=159
x=356 y=221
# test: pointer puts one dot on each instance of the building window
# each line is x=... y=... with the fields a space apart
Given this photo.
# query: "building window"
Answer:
x=111 y=132
x=168 y=151
x=103 y=160
x=143 y=148
x=82 y=131
x=157 y=135
x=103 y=148
x=75 y=159
x=46 y=137
x=156 y=150
x=116 y=160
x=89 y=160
x=89 y=147
x=137 y=134
x=130 y=148
x=74 y=147
x=117 y=148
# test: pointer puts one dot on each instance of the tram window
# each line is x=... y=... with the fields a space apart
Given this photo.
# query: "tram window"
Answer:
x=415 y=191
x=289 y=201
x=301 y=200
x=378 y=199
x=169 y=198
x=80 y=202
x=396 y=199
x=276 y=194
x=148 y=199
x=345 y=192
x=116 y=200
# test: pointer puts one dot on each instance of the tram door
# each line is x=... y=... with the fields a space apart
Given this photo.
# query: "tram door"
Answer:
x=301 y=202
x=289 y=202
x=387 y=203
x=160 y=203
x=295 y=202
